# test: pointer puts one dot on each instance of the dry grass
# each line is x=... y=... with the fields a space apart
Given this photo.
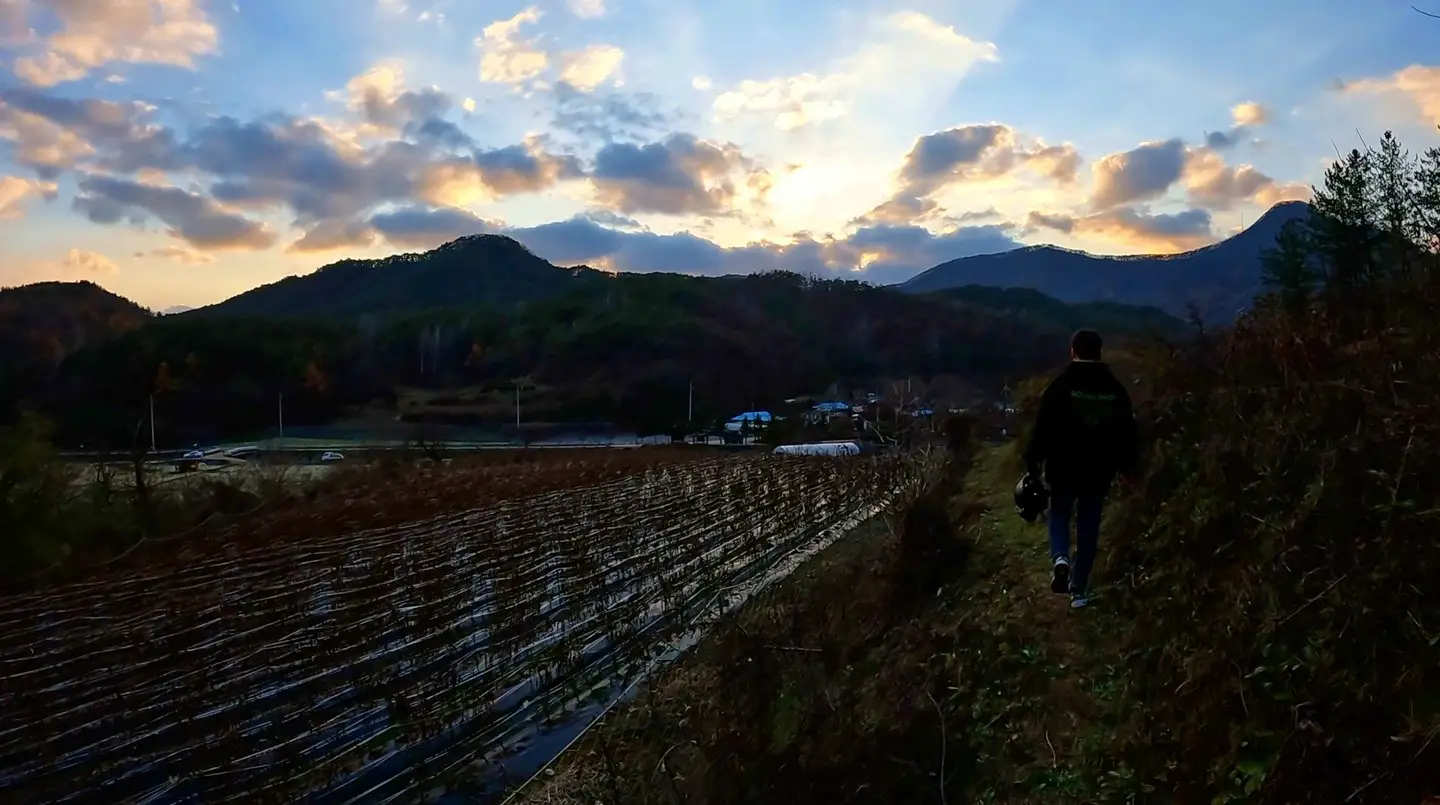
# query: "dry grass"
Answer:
x=322 y=651
x=1264 y=629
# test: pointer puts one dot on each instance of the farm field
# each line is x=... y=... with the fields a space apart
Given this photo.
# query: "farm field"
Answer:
x=300 y=657
x=306 y=502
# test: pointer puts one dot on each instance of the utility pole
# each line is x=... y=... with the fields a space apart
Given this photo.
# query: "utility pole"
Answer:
x=280 y=408
x=152 y=423
x=690 y=411
x=517 y=405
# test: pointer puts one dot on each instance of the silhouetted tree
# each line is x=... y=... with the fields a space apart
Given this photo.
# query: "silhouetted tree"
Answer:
x=1343 y=223
x=1288 y=269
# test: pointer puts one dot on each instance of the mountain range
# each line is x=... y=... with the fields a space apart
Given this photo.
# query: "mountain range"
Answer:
x=1220 y=280
x=458 y=328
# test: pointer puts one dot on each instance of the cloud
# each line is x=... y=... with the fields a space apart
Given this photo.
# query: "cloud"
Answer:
x=587 y=69
x=1418 y=84
x=1273 y=194
x=333 y=234
x=505 y=58
x=94 y=34
x=1132 y=228
x=795 y=101
x=1212 y=183
x=1150 y=170
x=681 y=175
x=13 y=26
x=383 y=103
x=400 y=150
x=300 y=164
x=179 y=254
x=966 y=154
x=191 y=217
x=978 y=215
x=1250 y=113
x=52 y=134
x=15 y=192
x=488 y=175
x=587 y=8
x=607 y=116
x=881 y=254
x=903 y=50
x=701 y=83
x=1246 y=116
x=89 y=262
x=1140 y=174
x=425 y=228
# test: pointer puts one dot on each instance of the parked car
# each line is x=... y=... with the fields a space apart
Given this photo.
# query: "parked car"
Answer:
x=195 y=454
x=331 y=455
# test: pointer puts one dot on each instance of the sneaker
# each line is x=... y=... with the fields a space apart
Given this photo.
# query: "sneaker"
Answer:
x=1078 y=601
x=1060 y=576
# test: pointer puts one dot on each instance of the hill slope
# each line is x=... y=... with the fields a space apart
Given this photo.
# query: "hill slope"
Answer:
x=470 y=270
x=623 y=349
x=43 y=323
x=1027 y=304
x=1220 y=279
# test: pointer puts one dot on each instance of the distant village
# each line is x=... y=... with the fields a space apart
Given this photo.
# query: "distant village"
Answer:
x=869 y=415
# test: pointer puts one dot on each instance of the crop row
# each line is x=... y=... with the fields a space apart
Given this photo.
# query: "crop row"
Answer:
x=370 y=494
x=360 y=665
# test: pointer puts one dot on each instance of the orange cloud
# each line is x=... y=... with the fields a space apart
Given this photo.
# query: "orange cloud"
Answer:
x=506 y=58
x=15 y=191
x=89 y=262
x=92 y=35
x=1127 y=227
x=1419 y=84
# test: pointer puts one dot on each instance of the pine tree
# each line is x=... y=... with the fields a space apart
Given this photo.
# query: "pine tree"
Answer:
x=1342 y=224
x=1288 y=268
x=1427 y=200
x=1394 y=196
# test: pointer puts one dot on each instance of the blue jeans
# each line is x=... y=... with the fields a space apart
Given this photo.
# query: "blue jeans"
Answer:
x=1087 y=509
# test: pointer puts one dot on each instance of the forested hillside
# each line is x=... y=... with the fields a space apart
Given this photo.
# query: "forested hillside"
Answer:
x=623 y=350
x=44 y=323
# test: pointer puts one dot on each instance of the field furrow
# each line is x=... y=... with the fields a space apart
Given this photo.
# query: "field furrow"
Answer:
x=366 y=665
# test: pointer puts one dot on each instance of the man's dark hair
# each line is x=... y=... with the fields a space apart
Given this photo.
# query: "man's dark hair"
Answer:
x=1086 y=344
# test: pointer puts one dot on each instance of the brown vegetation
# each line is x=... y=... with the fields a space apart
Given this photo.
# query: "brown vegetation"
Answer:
x=1267 y=628
x=294 y=658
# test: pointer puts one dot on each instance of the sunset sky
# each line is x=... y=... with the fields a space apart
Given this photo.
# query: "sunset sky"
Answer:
x=181 y=151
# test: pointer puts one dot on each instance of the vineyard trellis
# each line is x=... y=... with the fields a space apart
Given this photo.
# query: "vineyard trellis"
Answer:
x=355 y=667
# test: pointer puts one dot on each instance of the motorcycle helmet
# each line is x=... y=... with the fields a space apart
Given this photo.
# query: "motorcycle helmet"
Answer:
x=1032 y=498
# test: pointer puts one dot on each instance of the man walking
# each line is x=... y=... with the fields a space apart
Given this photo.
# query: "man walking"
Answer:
x=1084 y=436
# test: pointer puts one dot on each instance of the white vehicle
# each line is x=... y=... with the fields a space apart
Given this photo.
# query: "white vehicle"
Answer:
x=331 y=455
x=195 y=454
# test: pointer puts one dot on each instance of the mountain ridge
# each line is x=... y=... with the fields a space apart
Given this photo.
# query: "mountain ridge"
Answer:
x=1220 y=279
x=471 y=269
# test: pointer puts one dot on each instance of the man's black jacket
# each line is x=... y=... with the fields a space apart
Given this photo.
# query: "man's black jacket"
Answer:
x=1085 y=431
